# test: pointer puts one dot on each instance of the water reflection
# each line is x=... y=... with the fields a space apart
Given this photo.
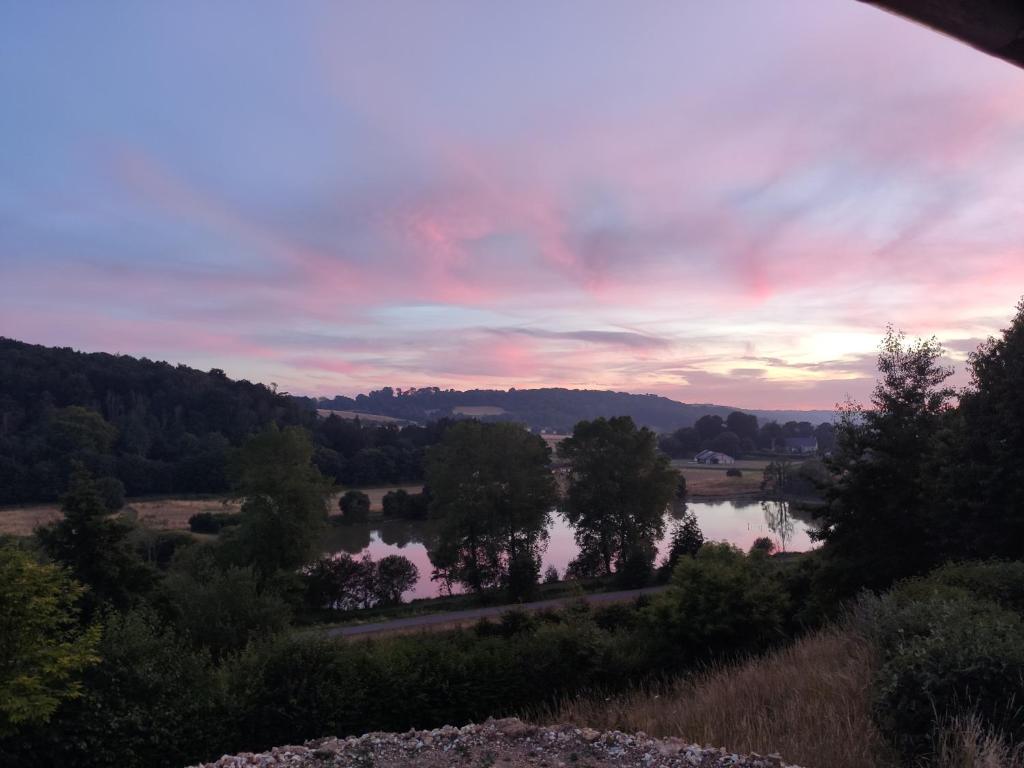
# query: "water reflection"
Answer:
x=779 y=522
x=739 y=523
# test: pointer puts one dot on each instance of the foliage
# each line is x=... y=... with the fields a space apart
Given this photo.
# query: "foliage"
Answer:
x=685 y=540
x=152 y=702
x=876 y=522
x=619 y=488
x=492 y=489
x=763 y=544
x=43 y=650
x=219 y=607
x=733 y=472
x=354 y=506
x=944 y=654
x=284 y=501
x=550 y=575
x=400 y=503
x=395 y=576
x=984 y=443
x=1001 y=582
x=213 y=522
x=95 y=547
x=341 y=582
x=720 y=601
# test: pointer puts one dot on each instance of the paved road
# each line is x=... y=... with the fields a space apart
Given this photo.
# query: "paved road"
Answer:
x=454 y=617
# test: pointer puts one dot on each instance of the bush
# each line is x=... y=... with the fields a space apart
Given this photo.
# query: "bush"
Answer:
x=944 y=654
x=551 y=575
x=719 y=602
x=999 y=581
x=733 y=472
x=213 y=522
x=152 y=702
x=355 y=507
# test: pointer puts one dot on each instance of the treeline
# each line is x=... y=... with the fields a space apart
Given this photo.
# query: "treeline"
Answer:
x=552 y=408
x=741 y=433
x=157 y=428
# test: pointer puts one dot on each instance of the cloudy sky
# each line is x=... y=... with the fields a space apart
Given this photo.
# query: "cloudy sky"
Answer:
x=719 y=202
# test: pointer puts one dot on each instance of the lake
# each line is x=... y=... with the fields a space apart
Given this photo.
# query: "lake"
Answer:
x=737 y=522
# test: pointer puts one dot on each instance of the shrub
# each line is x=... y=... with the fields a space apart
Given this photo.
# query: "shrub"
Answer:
x=762 y=544
x=944 y=655
x=354 y=506
x=213 y=522
x=733 y=472
x=999 y=581
x=719 y=602
x=550 y=575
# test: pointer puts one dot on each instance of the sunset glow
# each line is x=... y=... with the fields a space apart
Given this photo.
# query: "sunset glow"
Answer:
x=718 y=202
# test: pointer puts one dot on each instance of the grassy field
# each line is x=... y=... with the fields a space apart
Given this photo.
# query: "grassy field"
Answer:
x=776 y=703
x=703 y=481
x=159 y=514
x=710 y=481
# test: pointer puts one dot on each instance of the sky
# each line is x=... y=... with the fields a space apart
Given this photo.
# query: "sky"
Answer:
x=718 y=202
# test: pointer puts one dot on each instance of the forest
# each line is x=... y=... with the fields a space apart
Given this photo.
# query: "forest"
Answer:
x=162 y=429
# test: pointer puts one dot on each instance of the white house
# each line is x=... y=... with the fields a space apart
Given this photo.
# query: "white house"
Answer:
x=713 y=457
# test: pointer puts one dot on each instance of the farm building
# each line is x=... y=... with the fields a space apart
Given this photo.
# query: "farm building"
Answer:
x=713 y=457
x=801 y=445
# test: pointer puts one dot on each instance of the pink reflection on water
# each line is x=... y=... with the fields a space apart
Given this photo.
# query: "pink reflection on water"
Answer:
x=737 y=523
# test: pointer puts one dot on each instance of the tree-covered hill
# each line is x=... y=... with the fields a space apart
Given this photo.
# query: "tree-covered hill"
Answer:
x=551 y=408
x=158 y=428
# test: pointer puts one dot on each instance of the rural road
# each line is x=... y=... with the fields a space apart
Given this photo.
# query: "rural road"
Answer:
x=471 y=614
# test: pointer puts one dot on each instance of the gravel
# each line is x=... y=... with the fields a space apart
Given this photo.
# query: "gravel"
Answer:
x=499 y=743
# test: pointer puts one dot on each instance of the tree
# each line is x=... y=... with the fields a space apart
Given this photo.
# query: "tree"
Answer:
x=708 y=428
x=743 y=425
x=979 y=472
x=686 y=539
x=43 y=649
x=619 y=489
x=355 y=507
x=395 y=576
x=769 y=437
x=94 y=545
x=396 y=503
x=876 y=521
x=727 y=443
x=284 y=507
x=492 y=489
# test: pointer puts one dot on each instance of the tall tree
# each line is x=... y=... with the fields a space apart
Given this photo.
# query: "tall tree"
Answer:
x=94 y=545
x=980 y=471
x=492 y=488
x=284 y=507
x=619 y=489
x=876 y=522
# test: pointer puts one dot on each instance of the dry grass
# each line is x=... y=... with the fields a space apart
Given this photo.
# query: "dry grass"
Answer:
x=158 y=514
x=810 y=702
x=966 y=743
x=714 y=483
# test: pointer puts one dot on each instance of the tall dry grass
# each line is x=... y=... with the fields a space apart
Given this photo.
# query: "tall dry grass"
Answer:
x=809 y=702
x=966 y=743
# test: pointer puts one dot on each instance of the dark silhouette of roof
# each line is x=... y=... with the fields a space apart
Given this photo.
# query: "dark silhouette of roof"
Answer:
x=993 y=26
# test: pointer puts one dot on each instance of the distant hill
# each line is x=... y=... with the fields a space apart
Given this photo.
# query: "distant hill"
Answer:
x=553 y=409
